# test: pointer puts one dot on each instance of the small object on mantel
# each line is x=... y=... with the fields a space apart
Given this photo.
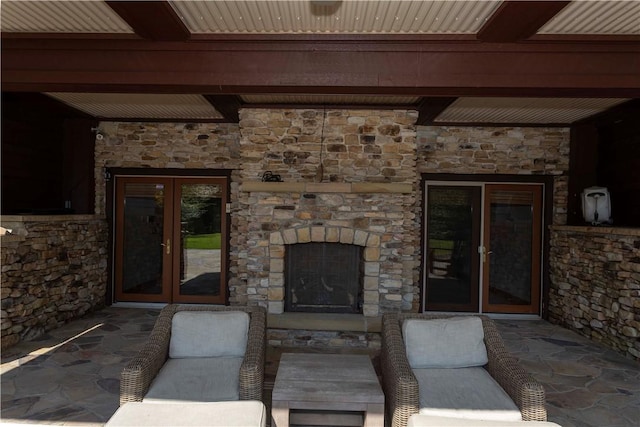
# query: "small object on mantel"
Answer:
x=5 y=231
x=269 y=176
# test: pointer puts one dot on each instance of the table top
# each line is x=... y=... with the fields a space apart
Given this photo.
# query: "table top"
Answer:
x=327 y=378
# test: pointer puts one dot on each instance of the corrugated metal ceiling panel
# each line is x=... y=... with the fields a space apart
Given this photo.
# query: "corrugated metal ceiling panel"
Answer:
x=596 y=17
x=347 y=16
x=524 y=110
x=61 y=16
x=329 y=99
x=148 y=106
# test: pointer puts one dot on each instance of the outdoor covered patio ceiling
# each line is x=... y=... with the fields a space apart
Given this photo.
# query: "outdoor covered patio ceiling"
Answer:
x=456 y=62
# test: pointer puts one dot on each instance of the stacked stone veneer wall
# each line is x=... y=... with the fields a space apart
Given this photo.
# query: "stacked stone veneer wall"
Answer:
x=164 y=145
x=54 y=269
x=595 y=284
x=499 y=151
x=353 y=147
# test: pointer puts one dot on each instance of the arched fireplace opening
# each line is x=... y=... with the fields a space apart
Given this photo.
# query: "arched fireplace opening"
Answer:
x=324 y=277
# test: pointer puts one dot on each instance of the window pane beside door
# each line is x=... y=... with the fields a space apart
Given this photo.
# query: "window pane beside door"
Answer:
x=451 y=282
x=143 y=238
x=511 y=223
x=200 y=239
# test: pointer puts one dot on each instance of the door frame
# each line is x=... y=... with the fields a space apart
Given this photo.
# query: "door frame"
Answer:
x=536 y=247
x=110 y=211
x=547 y=217
x=475 y=267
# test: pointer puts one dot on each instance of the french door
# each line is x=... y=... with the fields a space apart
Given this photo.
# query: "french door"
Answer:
x=170 y=239
x=483 y=247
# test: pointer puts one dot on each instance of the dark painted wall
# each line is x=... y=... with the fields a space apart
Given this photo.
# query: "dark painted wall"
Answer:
x=47 y=156
x=605 y=151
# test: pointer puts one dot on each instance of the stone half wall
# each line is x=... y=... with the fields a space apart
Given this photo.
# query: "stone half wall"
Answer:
x=595 y=284
x=54 y=269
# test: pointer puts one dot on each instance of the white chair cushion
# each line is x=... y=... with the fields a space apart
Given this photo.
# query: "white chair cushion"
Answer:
x=209 y=334
x=418 y=420
x=243 y=413
x=196 y=380
x=469 y=393
x=456 y=342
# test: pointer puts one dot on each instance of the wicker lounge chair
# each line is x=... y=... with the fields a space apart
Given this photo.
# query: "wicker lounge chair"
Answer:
x=401 y=385
x=139 y=374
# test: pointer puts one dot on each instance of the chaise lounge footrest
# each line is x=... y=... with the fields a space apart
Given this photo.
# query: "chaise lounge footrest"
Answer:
x=242 y=413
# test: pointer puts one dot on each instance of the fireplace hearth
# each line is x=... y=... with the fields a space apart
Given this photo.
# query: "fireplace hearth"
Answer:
x=324 y=278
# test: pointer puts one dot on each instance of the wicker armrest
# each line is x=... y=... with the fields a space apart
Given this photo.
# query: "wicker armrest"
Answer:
x=399 y=382
x=252 y=369
x=139 y=372
x=523 y=389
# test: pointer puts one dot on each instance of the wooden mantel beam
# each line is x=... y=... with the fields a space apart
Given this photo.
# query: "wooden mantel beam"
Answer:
x=419 y=67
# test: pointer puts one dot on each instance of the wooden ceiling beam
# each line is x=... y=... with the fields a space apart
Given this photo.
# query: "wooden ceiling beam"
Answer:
x=153 y=20
x=518 y=20
x=227 y=105
x=438 y=68
x=429 y=108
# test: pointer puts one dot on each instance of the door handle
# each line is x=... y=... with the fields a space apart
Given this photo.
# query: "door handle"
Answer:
x=483 y=253
x=167 y=246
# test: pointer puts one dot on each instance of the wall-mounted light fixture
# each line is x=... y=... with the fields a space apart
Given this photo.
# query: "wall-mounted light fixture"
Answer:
x=99 y=133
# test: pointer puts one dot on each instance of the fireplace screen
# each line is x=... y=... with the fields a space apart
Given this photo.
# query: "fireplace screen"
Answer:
x=323 y=277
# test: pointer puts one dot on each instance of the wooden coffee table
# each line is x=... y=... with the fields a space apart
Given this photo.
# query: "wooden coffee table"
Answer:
x=335 y=383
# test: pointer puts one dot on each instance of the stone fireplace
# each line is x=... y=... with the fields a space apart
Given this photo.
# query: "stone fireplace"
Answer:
x=364 y=197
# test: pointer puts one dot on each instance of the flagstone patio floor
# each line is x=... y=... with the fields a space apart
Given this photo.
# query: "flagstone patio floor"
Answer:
x=70 y=376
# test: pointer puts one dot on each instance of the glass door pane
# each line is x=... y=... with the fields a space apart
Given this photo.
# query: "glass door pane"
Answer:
x=512 y=245
x=453 y=230
x=200 y=212
x=142 y=230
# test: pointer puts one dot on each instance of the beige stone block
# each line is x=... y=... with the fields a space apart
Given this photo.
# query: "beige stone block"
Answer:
x=360 y=237
x=276 y=265
x=304 y=215
x=276 y=251
x=366 y=187
x=374 y=241
x=276 y=238
x=290 y=236
x=276 y=307
x=304 y=235
x=276 y=279
x=370 y=310
x=391 y=283
x=317 y=234
x=393 y=297
x=272 y=187
x=346 y=236
x=283 y=214
x=275 y=293
x=328 y=187
x=372 y=254
x=370 y=283
x=371 y=268
x=332 y=234
x=371 y=297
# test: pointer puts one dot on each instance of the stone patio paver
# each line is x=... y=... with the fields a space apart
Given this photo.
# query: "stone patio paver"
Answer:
x=70 y=376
